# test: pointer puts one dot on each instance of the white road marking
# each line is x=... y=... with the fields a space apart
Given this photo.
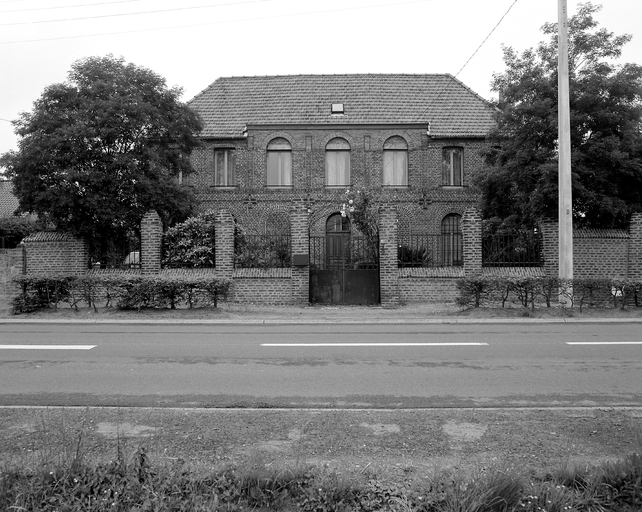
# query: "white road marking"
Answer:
x=371 y=344
x=46 y=347
x=604 y=342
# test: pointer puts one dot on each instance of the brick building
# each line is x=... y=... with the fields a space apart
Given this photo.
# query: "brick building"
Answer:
x=271 y=140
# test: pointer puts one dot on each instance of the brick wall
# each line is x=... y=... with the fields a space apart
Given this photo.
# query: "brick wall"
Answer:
x=58 y=253
x=608 y=253
x=432 y=290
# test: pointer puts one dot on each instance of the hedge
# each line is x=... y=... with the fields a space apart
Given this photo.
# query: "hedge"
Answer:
x=126 y=291
x=530 y=292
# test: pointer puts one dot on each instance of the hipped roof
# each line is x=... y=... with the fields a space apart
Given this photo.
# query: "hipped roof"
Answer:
x=451 y=108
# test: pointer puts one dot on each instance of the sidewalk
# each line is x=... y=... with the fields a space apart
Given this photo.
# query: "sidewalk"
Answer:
x=421 y=313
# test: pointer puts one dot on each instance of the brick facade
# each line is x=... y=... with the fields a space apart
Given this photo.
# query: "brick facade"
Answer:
x=421 y=205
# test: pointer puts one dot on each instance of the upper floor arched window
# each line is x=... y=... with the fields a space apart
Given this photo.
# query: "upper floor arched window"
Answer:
x=395 y=162
x=279 y=163
x=337 y=163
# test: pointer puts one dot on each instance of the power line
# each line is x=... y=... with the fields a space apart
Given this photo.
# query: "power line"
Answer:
x=442 y=92
x=117 y=15
x=172 y=27
x=66 y=6
x=486 y=39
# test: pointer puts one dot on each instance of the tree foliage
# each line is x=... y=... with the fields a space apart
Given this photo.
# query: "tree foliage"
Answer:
x=101 y=149
x=520 y=184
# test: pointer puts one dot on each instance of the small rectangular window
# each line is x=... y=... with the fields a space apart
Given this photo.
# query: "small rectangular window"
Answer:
x=453 y=167
x=337 y=108
x=224 y=168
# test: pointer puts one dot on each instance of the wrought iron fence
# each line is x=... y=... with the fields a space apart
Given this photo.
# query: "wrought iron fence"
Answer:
x=262 y=251
x=444 y=250
x=124 y=254
x=512 y=250
x=357 y=253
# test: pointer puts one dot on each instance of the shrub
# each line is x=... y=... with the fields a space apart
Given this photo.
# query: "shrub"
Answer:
x=474 y=291
x=129 y=291
x=190 y=243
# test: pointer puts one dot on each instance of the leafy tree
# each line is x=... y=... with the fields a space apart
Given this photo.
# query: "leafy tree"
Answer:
x=520 y=184
x=101 y=149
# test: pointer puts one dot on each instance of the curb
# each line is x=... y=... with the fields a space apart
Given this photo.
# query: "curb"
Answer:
x=277 y=321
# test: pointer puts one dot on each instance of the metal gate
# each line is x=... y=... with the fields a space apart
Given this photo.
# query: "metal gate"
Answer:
x=343 y=269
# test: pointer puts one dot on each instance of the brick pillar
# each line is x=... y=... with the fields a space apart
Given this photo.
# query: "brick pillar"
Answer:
x=224 y=244
x=151 y=233
x=300 y=240
x=472 y=242
x=550 y=247
x=635 y=246
x=388 y=258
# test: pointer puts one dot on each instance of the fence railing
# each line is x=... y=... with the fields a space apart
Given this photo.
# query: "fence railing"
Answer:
x=262 y=251
x=343 y=252
x=512 y=250
x=445 y=250
x=125 y=255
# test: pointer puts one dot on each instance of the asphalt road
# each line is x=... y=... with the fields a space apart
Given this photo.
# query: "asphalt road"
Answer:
x=427 y=365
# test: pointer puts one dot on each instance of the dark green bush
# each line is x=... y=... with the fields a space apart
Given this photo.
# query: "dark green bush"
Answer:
x=128 y=291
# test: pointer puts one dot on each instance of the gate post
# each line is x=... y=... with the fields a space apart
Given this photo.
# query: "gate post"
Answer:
x=300 y=250
x=151 y=234
x=472 y=235
x=224 y=244
x=388 y=257
x=635 y=246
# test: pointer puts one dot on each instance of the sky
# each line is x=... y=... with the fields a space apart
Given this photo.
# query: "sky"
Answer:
x=193 y=42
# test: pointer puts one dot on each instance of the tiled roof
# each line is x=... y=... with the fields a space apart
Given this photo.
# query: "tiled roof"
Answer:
x=8 y=202
x=451 y=108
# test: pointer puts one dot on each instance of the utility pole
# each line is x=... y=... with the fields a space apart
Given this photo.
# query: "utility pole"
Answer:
x=565 y=203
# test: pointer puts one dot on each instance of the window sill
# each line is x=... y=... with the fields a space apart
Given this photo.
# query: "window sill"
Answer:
x=454 y=187
x=280 y=187
x=338 y=187
x=224 y=187
x=396 y=186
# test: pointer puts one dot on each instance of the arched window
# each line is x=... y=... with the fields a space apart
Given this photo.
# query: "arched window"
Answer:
x=395 y=162
x=453 y=167
x=279 y=163
x=452 y=253
x=337 y=163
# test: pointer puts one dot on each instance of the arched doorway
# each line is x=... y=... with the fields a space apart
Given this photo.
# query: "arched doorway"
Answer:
x=337 y=241
x=342 y=271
